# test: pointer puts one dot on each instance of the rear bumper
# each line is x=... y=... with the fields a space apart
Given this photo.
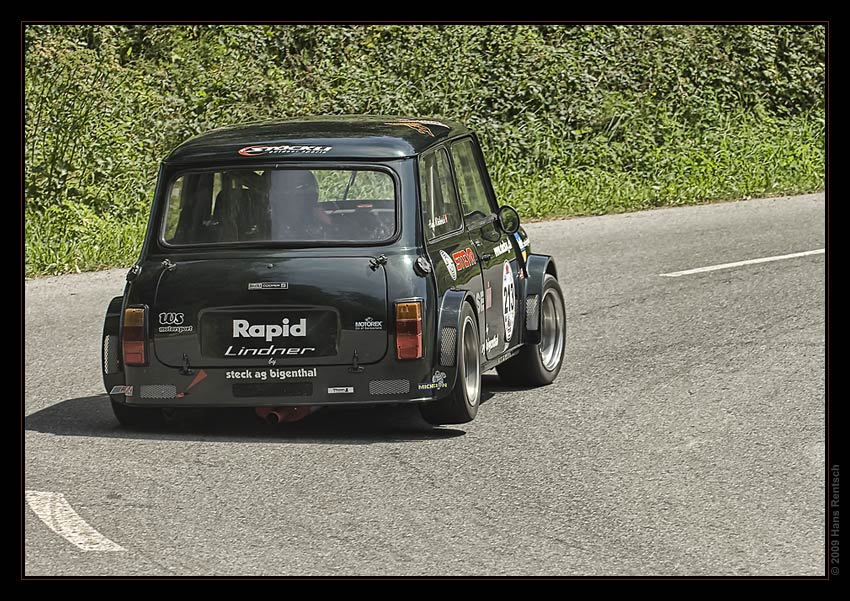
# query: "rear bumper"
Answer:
x=274 y=386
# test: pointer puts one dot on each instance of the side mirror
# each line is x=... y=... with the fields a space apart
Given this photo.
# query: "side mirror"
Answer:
x=508 y=219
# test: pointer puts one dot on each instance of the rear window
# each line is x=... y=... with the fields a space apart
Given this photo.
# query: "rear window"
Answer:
x=280 y=205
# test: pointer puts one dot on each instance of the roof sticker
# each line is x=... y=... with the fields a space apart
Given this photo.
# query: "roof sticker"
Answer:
x=254 y=151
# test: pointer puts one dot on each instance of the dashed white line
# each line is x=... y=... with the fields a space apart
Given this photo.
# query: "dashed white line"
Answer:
x=59 y=516
x=807 y=253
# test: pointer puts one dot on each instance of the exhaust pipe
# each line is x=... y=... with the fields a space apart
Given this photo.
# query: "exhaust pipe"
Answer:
x=281 y=415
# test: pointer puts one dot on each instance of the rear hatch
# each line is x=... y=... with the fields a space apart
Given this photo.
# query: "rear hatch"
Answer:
x=252 y=312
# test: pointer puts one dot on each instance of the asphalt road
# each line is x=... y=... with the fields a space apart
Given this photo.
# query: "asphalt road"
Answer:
x=685 y=435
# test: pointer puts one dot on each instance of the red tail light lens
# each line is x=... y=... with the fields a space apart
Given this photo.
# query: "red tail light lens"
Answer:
x=408 y=330
x=133 y=337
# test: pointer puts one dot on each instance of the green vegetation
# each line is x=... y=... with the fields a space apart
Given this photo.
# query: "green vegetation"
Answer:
x=574 y=119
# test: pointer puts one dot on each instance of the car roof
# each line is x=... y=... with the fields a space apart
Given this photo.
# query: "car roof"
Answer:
x=330 y=137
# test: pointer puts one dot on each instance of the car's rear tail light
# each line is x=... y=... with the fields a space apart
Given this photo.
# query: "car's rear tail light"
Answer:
x=133 y=336
x=408 y=330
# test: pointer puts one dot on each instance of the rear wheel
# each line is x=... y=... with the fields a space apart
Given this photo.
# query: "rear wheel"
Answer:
x=539 y=364
x=461 y=405
x=135 y=418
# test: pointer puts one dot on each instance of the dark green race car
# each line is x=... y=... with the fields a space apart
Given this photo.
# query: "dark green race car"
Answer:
x=342 y=260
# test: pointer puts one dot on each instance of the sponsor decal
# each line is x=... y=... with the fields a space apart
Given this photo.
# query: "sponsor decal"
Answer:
x=523 y=247
x=449 y=264
x=369 y=324
x=271 y=374
x=438 y=380
x=464 y=258
x=438 y=220
x=488 y=295
x=508 y=300
x=341 y=390
x=243 y=329
x=172 y=323
x=268 y=286
x=492 y=343
x=125 y=390
x=259 y=150
x=291 y=330
x=174 y=329
x=269 y=350
x=171 y=319
x=502 y=248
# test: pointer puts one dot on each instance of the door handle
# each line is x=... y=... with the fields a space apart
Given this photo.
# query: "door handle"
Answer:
x=485 y=256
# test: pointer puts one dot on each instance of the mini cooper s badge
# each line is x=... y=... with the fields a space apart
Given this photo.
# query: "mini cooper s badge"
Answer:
x=268 y=285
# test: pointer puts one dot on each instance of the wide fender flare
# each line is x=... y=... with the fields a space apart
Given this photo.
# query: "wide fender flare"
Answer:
x=537 y=266
x=448 y=332
x=110 y=351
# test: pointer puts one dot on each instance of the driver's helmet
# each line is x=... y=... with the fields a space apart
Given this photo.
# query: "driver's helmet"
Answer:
x=294 y=205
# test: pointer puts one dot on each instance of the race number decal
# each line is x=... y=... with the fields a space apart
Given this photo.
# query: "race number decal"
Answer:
x=508 y=300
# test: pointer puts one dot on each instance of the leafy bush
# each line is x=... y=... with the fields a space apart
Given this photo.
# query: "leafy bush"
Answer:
x=574 y=119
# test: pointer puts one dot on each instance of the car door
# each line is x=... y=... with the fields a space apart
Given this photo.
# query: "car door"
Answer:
x=493 y=250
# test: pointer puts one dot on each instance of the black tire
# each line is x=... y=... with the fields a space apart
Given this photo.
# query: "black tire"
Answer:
x=136 y=418
x=461 y=406
x=539 y=364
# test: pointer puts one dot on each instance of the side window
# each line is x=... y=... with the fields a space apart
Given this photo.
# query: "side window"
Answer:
x=469 y=182
x=439 y=204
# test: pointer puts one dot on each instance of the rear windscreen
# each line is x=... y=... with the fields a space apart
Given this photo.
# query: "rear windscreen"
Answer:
x=280 y=205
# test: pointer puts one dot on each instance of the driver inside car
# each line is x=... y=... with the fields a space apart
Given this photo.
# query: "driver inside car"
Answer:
x=294 y=206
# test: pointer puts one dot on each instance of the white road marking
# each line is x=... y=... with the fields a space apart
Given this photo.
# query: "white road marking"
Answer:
x=807 y=253
x=59 y=516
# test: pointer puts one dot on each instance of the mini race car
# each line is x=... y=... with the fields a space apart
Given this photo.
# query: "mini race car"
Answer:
x=340 y=260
